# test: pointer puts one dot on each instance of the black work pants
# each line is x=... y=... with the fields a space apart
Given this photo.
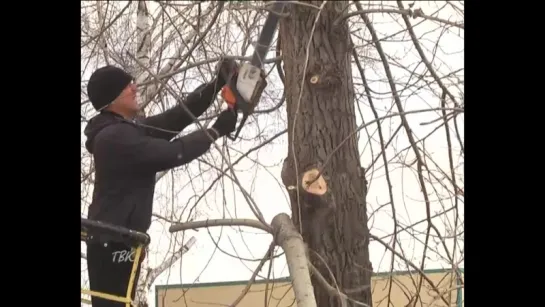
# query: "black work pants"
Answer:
x=109 y=267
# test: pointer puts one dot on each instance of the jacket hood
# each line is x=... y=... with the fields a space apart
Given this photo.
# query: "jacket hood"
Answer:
x=96 y=124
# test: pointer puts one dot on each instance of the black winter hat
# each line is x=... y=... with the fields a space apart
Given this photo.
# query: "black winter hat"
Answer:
x=105 y=84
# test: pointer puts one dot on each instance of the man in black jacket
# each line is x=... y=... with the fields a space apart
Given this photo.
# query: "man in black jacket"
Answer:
x=128 y=152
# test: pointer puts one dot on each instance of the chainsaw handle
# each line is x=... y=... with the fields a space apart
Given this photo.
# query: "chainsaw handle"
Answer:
x=235 y=101
x=242 y=122
x=239 y=102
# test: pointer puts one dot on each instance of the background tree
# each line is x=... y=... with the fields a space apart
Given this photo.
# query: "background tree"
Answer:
x=373 y=103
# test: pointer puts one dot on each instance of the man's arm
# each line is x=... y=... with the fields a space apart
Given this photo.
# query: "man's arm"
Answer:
x=169 y=123
x=122 y=147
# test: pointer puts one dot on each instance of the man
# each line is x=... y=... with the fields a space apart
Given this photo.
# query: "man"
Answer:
x=127 y=154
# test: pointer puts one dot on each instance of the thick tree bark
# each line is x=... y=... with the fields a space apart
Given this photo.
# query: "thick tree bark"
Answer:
x=332 y=214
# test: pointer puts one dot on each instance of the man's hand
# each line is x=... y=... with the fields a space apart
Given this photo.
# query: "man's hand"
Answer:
x=226 y=122
x=224 y=69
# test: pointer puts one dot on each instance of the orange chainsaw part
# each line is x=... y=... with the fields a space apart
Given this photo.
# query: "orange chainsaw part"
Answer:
x=229 y=97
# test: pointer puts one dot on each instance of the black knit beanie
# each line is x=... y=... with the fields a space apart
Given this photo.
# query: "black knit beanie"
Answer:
x=105 y=84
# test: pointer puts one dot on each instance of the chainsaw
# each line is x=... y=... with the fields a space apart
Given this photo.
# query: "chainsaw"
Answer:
x=245 y=85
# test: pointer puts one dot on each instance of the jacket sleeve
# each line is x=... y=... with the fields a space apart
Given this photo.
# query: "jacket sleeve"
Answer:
x=123 y=148
x=171 y=122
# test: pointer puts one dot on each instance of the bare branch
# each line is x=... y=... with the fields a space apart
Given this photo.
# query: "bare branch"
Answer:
x=405 y=12
x=220 y=222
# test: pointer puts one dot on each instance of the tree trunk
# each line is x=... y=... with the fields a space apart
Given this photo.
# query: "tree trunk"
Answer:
x=332 y=213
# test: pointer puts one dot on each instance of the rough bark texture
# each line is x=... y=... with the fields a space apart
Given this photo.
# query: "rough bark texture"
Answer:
x=334 y=225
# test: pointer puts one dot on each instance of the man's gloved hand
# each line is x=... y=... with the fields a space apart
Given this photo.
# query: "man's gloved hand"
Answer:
x=224 y=68
x=226 y=122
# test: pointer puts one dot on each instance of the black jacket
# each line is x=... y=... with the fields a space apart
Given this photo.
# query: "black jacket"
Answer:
x=128 y=154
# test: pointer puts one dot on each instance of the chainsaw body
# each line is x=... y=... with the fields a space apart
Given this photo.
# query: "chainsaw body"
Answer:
x=243 y=91
x=249 y=81
x=250 y=84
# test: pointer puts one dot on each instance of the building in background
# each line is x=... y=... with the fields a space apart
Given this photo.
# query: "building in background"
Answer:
x=280 y=293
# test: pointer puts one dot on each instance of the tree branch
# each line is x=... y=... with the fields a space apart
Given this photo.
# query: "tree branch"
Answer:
x=175 y=257
x=145 y=281
x=335 y=291
x=254 y=275
x=220 y=222
x=388 y=247
x=405 y=12
x=291 y=241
